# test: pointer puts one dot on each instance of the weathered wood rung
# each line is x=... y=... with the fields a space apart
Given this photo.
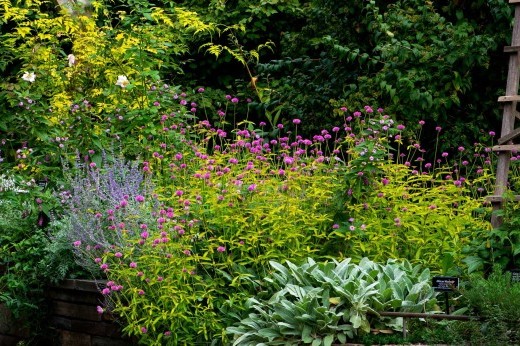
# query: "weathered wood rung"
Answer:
x=500 y=199
x=510 y=98
x=511 y=49
x=511 y=135
x=514 y=1
x=508 y=147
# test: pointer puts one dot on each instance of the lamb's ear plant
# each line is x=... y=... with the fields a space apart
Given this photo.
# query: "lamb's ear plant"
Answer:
x=322 y=303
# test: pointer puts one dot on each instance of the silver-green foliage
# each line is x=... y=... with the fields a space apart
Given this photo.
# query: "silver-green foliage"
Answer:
x=323 y=303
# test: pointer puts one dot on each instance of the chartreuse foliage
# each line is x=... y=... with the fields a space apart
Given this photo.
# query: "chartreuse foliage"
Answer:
x=96 y=76
x=222 y=213
x=422 y=217
x=331 y=302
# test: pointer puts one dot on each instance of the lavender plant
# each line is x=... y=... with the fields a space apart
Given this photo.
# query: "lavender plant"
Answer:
x=97 y=195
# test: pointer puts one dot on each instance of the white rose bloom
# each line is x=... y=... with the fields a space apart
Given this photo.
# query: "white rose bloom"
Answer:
x=122 y=81
x=72 y=59
x=29 y=77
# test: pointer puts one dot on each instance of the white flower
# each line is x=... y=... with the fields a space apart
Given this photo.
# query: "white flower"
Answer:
x=72 y=59
x=29 y=76
x=122 y=81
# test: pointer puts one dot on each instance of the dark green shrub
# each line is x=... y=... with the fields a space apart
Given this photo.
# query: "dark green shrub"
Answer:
x=497 y=301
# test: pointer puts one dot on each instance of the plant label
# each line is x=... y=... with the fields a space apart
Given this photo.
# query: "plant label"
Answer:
x=515 y=275
x=445 y=283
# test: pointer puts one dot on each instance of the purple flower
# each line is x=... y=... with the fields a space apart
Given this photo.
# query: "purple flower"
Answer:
x=296 y=121
x=139 y=198
x=144 y=330
x=234 y=100
x=200 y=90
x=105 y=291
x=77 y=243
x=118 y=254
x=288 y=160
x=492 y=133
x=400 y=127
x=251 y=187
x=221 y=248
x=104 y=266
x=133 y=265
x=335 y=226
x=438 y=129
x=144 y=235
x=140 y=292
x=99 y=310
x=421 y=122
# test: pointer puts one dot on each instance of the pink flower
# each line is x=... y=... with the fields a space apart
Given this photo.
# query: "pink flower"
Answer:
x=335 y=226
x=77 y=243
x=118 y=254
x=99 y=310
x=140 y=292
x=221 y=248
x=104 y=266
x=144 y=330
x=251 y=187
x=421 y=122
x=491 y=133
x=139 y=198
x=144 y=235
x=438 y=129
x=296 y=121
x=132 y=265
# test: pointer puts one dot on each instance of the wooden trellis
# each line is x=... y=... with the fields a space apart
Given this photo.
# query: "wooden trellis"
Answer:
x=508 y=134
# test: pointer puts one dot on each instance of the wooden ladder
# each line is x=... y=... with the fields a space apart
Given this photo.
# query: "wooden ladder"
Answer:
x=508 y=132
